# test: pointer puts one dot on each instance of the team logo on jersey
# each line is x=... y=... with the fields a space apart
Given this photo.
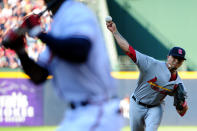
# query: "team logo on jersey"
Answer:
x=158 y=88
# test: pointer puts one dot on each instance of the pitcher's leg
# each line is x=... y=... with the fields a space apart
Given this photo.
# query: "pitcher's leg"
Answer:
x=153 y=118
x=137 y=113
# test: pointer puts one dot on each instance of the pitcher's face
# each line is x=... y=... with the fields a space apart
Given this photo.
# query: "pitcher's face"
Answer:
x=174 y=62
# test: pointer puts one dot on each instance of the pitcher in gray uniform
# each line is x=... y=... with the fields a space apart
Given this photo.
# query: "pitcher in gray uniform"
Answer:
x=157 y=80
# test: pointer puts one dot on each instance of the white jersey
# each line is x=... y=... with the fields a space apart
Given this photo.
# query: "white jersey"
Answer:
x=77 y=82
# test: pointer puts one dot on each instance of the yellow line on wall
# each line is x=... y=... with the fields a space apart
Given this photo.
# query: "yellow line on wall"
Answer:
x=188 y=74
x=134 y=75
x=125 y=75
x=117 y=75
x=13 y=75
x=18 y=75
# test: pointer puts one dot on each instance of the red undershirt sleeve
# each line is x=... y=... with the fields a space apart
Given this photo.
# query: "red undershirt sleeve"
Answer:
x=132 y=54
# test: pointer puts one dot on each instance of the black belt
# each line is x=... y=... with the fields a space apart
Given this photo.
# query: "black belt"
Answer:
x=74 y=105
x=143 y=104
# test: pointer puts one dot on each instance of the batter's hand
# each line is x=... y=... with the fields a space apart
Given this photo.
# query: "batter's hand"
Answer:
x=14 y=40
x=111 y=26
x=32 y=24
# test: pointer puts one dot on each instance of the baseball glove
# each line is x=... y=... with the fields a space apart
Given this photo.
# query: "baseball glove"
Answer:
x=179 y=100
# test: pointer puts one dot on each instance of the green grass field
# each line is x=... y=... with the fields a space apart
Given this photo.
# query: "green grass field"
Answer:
x=52 y=128
x=171 y=128
x=41 y=128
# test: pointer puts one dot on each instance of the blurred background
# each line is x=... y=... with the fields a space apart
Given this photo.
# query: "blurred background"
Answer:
x=150 y=26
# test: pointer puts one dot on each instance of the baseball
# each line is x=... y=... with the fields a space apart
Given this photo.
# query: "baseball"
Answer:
x=108 y=19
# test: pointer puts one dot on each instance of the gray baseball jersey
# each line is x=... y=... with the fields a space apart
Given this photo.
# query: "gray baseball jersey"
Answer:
x=154 y=81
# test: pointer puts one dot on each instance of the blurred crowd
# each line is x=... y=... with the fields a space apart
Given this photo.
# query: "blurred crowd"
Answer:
x=12 y=13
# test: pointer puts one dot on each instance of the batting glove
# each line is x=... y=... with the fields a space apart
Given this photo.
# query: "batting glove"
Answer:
x=14 y=40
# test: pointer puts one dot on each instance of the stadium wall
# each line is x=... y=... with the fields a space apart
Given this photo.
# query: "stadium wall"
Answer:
x=126 y=83
x=53 y=107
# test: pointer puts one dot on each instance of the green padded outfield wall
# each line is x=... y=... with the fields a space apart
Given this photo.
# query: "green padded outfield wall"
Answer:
x=154 y=26
x=135 y=33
